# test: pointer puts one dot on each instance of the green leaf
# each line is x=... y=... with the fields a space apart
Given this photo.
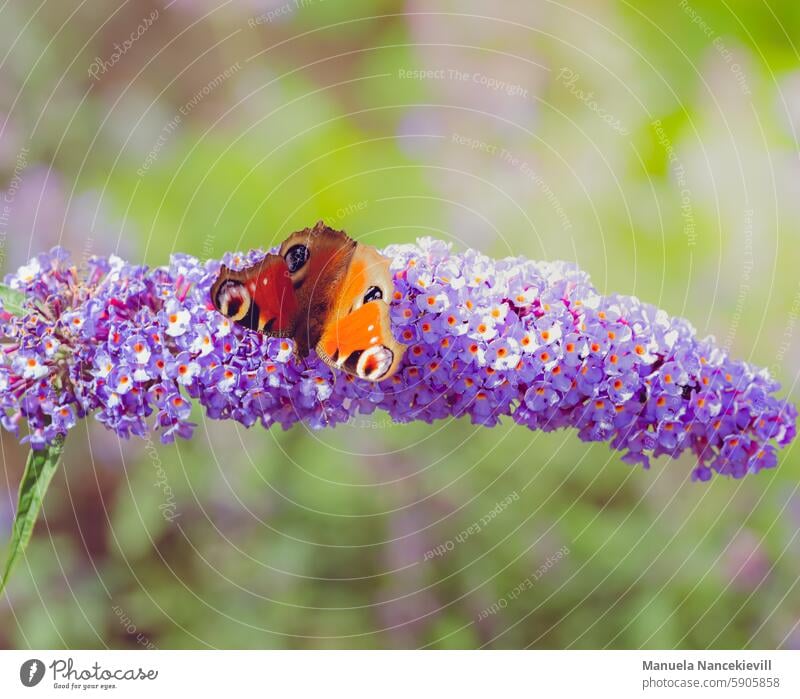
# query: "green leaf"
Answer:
x=38 y=473
x=13 y=301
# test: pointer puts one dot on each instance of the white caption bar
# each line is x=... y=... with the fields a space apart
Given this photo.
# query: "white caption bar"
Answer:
x=401 y=674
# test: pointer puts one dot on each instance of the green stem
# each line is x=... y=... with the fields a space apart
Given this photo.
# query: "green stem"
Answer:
x=38 y=473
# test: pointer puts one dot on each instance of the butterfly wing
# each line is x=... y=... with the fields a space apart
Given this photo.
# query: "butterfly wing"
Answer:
x=260 y=298
x=358 y=337
x=325 y=291
x=317 y=259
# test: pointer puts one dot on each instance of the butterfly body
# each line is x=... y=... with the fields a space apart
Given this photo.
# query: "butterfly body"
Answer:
x=325 y=291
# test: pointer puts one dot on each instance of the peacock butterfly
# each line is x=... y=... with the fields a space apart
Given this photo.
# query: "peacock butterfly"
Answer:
x=325 y=291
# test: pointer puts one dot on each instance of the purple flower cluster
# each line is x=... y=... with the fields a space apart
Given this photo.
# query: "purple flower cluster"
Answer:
x=486 y=338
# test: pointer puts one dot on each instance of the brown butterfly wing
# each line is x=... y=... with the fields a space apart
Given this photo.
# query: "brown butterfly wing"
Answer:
x=318 y=282
x=260 y=298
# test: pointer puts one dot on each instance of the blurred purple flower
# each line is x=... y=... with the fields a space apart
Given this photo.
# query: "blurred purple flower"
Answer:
x=42 y=214
x=746 y=562
x=487 y=338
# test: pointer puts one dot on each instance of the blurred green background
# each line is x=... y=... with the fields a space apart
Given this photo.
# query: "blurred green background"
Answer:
x=654 y=143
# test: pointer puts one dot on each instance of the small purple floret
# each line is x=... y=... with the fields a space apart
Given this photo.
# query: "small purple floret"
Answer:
x=139 y=347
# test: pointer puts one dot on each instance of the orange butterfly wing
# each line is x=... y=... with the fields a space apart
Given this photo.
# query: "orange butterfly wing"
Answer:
x=358 y=337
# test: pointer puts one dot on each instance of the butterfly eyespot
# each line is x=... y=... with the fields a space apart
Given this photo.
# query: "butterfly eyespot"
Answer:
x=233 y=299
x=296 y=256
x=373 y=294
x=374 y=363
